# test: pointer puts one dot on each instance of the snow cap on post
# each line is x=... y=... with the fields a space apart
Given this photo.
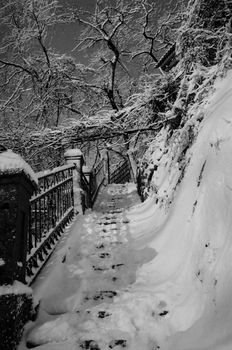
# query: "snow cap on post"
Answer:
x=73 y=152
x=12 y=163
x=74 y=156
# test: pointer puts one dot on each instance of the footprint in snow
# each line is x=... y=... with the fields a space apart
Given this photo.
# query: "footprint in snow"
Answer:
x=119 y=342
x=89 y=345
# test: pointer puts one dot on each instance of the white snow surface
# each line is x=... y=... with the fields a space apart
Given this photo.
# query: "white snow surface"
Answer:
x=174 y=289
x=73 y=152
x=16 y=288
x=53 y=171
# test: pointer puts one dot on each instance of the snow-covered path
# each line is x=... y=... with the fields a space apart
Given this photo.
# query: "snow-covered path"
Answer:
x=97 y=264
x=158 y=275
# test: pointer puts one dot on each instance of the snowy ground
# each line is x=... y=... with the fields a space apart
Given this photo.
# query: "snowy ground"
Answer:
x=96 y=266
x=157 y=275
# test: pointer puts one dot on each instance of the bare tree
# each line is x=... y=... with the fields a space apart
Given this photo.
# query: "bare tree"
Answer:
x=157 y=31
x=38 y=85
x=107 y=35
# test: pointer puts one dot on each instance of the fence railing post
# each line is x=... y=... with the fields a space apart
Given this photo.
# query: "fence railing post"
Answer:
x=17 y=183
x=75 y=156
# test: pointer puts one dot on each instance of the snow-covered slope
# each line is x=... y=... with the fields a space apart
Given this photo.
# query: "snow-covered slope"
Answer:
x=192 y=233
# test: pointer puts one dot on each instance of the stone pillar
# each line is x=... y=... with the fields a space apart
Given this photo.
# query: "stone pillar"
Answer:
x=75 y=156
x=17 y=184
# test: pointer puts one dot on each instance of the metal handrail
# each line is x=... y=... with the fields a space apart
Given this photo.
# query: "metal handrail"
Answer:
x=51 y=208
x=122 y=174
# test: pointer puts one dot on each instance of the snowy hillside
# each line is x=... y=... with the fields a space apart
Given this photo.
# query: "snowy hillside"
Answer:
x=190 y=228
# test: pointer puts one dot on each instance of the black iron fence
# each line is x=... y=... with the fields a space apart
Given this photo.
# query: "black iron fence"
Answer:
x=122 y=174
x=86 y=188
x=31 y=226
x=51 y=208
x=98 y=178
x=93 y=183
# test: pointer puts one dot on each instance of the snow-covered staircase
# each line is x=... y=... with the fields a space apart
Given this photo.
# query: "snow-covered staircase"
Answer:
x=96 y=266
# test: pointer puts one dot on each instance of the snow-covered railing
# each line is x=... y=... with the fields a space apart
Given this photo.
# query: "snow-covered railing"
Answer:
x=39 y=221
x=51 y=208
x=169 y=59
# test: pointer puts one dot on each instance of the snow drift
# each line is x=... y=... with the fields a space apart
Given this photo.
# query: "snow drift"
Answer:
x=191 y=274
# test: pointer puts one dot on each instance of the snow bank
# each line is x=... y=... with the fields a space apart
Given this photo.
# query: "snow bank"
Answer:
x=192 y=272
